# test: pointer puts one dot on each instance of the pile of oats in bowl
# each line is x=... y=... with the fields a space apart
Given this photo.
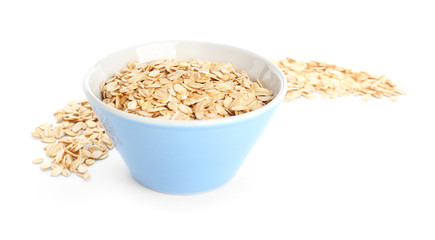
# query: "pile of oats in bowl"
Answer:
x=178 y=89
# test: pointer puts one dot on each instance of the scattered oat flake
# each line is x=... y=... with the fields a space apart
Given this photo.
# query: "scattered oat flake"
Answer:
x=56 y=171
x=89 y=162
x=37 y=160
x=65 y=172
x=45 y=165
x=366 y=97
x=82 y=168
x=48 y=140
x=86 y=176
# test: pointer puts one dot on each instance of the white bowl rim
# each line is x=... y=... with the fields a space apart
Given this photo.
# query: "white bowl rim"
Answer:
x=279 y=97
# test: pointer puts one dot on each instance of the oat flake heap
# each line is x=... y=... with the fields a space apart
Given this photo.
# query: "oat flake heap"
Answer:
x=179 y=89
x=331 y=81
x=75 y=142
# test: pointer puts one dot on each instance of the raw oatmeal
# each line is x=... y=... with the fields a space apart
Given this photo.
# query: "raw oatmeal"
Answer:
x=180 y=89
x=75 y=143
x=188 y=90
x=330 y=81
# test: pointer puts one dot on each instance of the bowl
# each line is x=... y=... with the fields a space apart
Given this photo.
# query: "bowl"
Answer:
x=176 y=156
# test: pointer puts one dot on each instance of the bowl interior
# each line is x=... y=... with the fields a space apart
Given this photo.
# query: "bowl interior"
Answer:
x=254 y=65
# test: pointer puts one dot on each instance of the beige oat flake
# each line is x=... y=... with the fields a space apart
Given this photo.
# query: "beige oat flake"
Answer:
x=37 y=160
x=56 y=171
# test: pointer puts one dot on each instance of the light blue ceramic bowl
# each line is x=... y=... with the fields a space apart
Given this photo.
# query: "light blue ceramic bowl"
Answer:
x=184 y=156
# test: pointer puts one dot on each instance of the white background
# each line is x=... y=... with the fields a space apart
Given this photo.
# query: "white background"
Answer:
x=323 y=169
